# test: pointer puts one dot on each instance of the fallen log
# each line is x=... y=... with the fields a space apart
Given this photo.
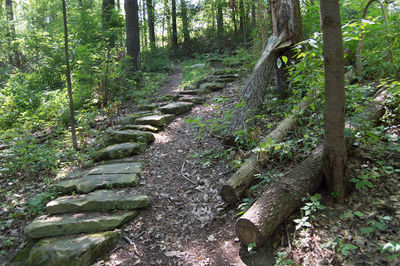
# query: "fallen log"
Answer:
x=284 y=197
x=244 y=177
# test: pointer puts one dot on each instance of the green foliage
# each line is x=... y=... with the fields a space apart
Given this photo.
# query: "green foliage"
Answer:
x=37 y=204
x=244 y=206
x=374 y=225
x=310 y=208
x=345 y=248
x=282 y=258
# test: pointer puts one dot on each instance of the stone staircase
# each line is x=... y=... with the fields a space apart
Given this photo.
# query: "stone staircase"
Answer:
x=78 y=229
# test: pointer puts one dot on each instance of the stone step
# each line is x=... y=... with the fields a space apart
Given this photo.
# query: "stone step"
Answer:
x=100 y=200
x=155 y=120
x=89 y=183
x=122 y=150
x=211 y=86
x=176 y=108
x=112 y=137
x=116 y=168
x=69 y=224
x=83 y=250
x=130 y=118
x=141 y=127
x=193 y=99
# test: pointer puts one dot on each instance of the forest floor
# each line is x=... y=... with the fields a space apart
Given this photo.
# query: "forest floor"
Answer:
x=187 y=223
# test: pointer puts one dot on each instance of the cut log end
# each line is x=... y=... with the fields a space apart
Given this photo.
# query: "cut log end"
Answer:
x=247 y=232
x=228 y=194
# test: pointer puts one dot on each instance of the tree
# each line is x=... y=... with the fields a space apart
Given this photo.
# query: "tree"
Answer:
x=14 y=57
x=185 y=22
x=334 y=154
x=174 y=30
x=132 y=33
x=107 y=12
x=220 y=17
x=68 y=74
x=150 y=18
x=287 y=30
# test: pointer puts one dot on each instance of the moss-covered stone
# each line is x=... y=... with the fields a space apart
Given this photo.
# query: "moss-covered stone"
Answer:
x=176 y=108
x=112 y=137
x=130 y=118
x=101 y=200
x=89 y=183
x=116 y=168
x=72 y=250
x=119 y=151
x=155 y=120
x=212 y=86
x=142 y=128
x=69 y=224
x=193 y=99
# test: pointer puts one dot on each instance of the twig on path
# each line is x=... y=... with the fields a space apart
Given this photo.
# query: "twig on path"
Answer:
x=131 y=243
x=183 y=174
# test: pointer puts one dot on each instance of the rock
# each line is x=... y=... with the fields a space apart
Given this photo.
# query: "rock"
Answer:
x=130 y=118
x=119 y=151
x=224 y=71
x=112 y=137
x=194 y=92
x=101 y=200
x=89 y=183
x=116 y=168
x=155 y=120
x=213 y=86
x=69 y=224
x=142 y=128
x=176 y=108
x=151 y=106
x=197 y=66
x=193 y=99
x=189 y=87
x=73 y=250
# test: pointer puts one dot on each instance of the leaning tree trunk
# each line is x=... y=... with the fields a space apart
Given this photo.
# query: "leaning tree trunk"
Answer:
x=241 y=180
x=334 y=157
x=286 y=23
x=281 y=199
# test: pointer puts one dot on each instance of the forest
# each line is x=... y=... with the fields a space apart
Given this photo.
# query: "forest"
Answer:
x=200 y=132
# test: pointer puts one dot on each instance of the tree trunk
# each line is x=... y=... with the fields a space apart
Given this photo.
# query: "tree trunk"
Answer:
x=220 y=18
x=132 y=33
x=185 y=22
x=281 y=199
x=244 y=177
x=334 y=157
x=233 y=14
x=283 y=11
x=168 y=18
x=144 y=28
x=68 y=74
x=15 y=58
x=286 y=24
x=150 y=19
x=256 y=87
x=174 y=30
x=107 y=11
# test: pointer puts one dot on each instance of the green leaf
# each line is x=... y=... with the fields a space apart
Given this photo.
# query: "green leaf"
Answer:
x=284 y=59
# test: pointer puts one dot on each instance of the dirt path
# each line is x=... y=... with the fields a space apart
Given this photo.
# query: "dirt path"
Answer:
x=187 y=223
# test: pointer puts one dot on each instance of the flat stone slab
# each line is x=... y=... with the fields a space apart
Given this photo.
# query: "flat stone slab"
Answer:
x=112 y=137
x=193 y=99
x=118 y=151
x=89 y=183
x=116 y=168
x=176 y=108
x=142 y=128
x=73 y=250
x=213 y=86
x=130 y=118
x=155 y=120
x=100 y=200
x=194 y=92
x=69 y=224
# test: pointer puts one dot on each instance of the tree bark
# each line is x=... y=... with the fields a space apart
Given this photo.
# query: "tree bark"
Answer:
x=256 y=86
x=107 y=11
x=286 y=19
x=168 y=18
x=144 y=33
x=185 y=22
x=132 y=33
x=241 y=180
x=14 y=57
x=68 y=74
x=174 y=30
x=334 y=157
x=220 y=18
x=281 y=199
x=150 y=19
